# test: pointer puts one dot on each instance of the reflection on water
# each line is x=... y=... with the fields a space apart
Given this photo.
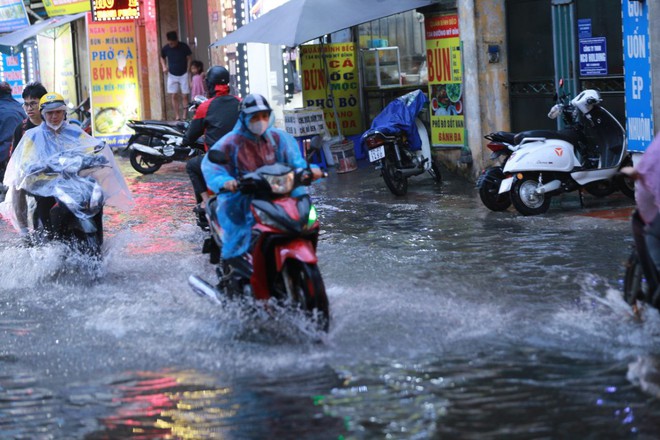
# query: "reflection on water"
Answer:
x=447 y=321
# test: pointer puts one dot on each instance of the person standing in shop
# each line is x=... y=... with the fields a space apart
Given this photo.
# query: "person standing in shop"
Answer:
x=175 y=59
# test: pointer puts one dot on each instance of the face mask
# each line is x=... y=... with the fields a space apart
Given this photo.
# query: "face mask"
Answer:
x=55 y=127
x=258 y=127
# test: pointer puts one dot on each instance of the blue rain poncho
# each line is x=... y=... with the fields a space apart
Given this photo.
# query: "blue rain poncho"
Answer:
x=41 y=146
x=246 y=152
x=399 y=115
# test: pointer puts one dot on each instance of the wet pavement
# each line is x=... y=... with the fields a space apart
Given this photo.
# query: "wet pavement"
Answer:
x=447 y=321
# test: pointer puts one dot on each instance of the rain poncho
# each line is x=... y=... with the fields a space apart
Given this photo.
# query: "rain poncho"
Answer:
x=647 y=187
x=245 y=152
x=399 y=115
x=41 y=146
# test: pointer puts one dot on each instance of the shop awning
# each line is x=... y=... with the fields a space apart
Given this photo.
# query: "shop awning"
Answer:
x=12 y=40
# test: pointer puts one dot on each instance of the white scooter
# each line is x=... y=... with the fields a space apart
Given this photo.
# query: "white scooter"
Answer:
x=588 y=154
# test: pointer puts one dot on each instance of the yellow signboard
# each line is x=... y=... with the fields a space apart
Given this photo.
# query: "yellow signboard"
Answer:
x=114 y=76
x=65 y=7
x=343 y=75
x=445 y=69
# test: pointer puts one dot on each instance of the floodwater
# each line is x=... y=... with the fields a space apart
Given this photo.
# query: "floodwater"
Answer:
x=447 y=321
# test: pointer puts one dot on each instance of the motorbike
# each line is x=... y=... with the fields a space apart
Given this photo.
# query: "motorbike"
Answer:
x=399 y=144
x=641 y=277
x=587 y=154
x=80 y=199
x=83 y=116
x=155 y=143
x=282 y=262
x=502 y=144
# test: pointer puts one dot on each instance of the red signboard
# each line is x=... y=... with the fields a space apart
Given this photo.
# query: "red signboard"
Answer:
x=105 y=10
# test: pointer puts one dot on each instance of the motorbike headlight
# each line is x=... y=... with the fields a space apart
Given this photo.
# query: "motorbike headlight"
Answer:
x=282 y=184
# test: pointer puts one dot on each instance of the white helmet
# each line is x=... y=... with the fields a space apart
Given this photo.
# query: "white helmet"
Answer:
x=586 y=100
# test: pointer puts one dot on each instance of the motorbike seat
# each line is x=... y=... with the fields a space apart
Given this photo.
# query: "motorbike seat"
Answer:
x=568 y=135
x=181 y=125
x=374 y=131
x=502 y=136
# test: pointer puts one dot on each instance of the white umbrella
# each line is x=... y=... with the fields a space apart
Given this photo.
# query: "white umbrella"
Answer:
x=298 y=21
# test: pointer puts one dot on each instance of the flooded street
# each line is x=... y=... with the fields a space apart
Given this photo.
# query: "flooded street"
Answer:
x=447 y=321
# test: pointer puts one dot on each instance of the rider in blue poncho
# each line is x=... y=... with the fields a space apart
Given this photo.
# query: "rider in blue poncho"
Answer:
x=253 y=143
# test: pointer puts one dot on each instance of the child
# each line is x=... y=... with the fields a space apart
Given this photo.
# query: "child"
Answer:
x=197 y=84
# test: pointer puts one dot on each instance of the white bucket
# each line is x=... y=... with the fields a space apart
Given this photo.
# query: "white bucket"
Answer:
x=343 y=155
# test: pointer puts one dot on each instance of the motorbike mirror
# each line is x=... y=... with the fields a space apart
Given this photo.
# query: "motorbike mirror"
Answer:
x=218 y=157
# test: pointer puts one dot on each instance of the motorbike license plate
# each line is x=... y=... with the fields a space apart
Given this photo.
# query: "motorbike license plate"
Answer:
x=376 y=154
x=505 y=186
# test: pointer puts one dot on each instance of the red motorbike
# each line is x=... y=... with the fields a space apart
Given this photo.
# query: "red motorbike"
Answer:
x=281 y=263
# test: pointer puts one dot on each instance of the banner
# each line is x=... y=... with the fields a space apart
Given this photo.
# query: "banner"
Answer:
x=637 y=74
x=56 y=62
x=65 y=7
x=343 y=74
x=114 y=76
x=445 y=69
x=12 y=72
x=13 y=16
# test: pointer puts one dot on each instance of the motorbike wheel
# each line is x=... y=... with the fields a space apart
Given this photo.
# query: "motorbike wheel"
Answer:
x=525 y=199
x=305 y=290
x=635 y=287
x=626 y=185
x=488 y=190
x=143 y=163
x=601 y=188
x=396 y=183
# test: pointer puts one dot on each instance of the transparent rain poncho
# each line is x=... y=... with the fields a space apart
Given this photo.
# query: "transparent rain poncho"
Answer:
x=246 y=152
x=44 y=164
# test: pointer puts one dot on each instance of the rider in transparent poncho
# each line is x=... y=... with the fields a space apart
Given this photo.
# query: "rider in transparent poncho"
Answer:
x=253 y=143
x=46 y=144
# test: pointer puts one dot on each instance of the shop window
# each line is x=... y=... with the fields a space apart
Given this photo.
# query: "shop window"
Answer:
x=405 y=31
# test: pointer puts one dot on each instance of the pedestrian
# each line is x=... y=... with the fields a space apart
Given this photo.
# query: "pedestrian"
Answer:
x=647 y=196
x=197 y=79
x=214 y=118
x=252 y=143
x=175 y=60
x=11 y=115
x=32 y=93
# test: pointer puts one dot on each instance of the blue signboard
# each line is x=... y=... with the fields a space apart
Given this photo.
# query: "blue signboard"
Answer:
x=637 y=73
x=593 y=56
x=12 y=72
x=12 y=16
x=584 y=28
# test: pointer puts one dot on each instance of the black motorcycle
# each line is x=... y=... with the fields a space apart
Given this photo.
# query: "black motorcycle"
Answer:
x=389 y=146
x=641 y=279
x=155 y=143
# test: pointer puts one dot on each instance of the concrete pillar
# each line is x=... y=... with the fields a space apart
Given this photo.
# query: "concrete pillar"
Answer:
x=482 y=24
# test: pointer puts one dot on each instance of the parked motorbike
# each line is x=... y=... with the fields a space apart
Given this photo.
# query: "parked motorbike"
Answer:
x=399 y=144
x=79 y=197
x=641 y=278
x=282 y=262
x=83 y=116
x=588 y=154
x=502 y=145
x=155 y=143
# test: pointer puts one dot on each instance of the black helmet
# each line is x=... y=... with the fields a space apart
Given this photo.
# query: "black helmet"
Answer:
x=216 y=75
x=254 y=103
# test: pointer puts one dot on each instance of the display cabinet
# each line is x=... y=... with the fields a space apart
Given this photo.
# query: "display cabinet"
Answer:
x=381 y=67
